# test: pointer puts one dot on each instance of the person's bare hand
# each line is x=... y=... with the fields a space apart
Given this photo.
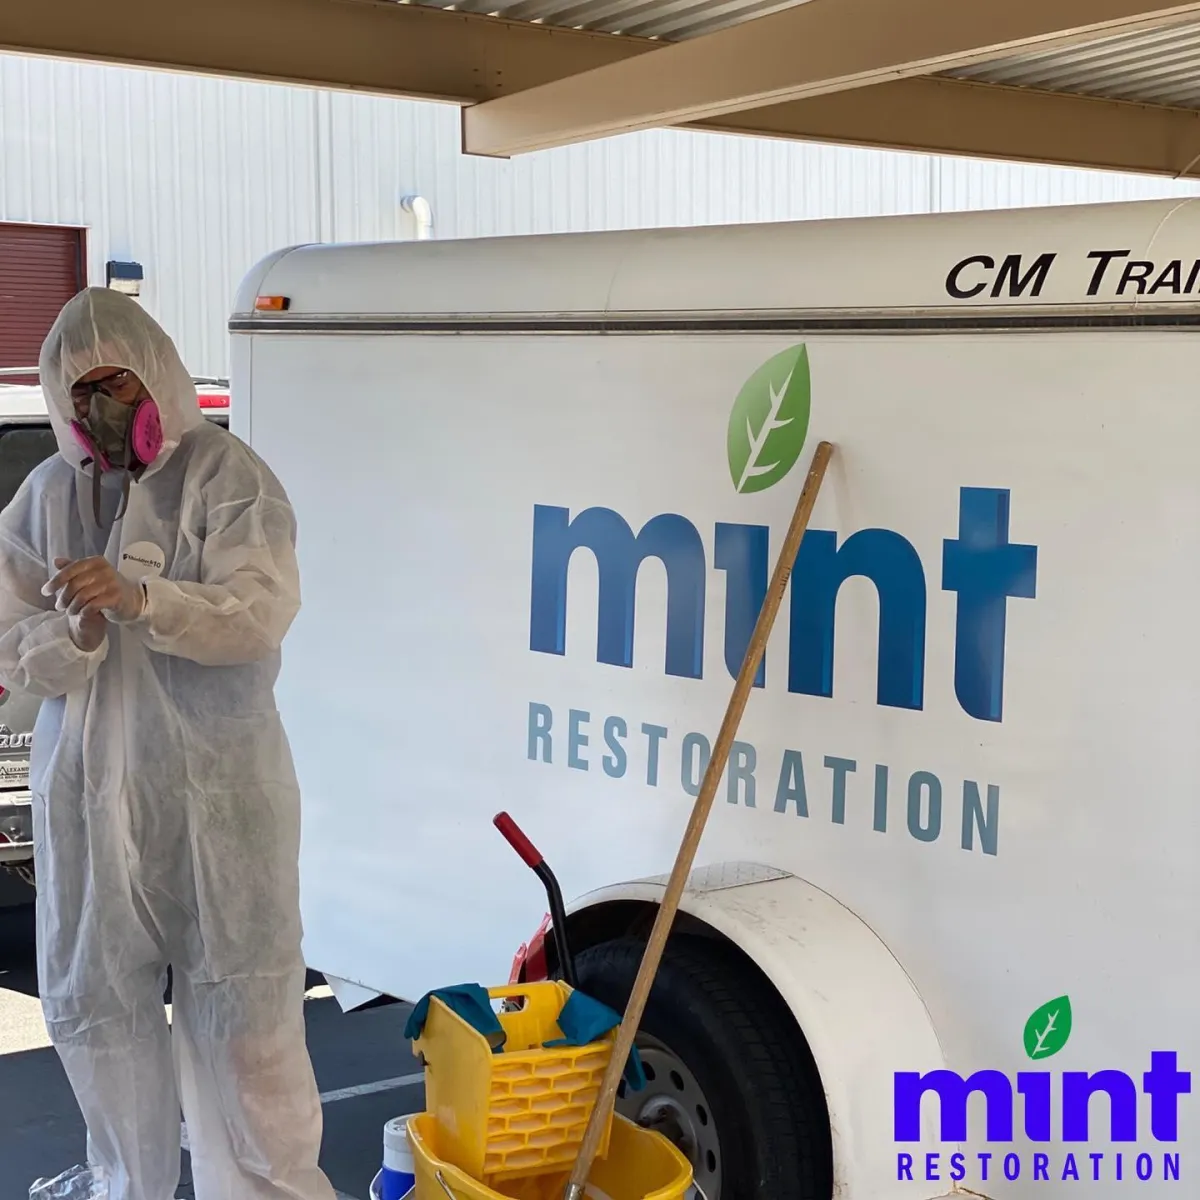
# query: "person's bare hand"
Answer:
x=88 y=630
x=91 y=586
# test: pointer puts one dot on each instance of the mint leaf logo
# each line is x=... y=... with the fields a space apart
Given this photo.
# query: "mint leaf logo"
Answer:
x=1048 y=1028
x=769 y=421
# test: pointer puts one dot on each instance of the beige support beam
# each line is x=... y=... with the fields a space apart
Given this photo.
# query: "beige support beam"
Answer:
x=355 y=45
x=409 y=51
x=811 y=49
x=943 y=116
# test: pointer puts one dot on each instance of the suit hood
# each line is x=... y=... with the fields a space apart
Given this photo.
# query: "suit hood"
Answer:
x=102 y=328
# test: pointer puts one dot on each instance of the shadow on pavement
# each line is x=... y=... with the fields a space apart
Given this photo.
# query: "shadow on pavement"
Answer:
x=18 y=950
x=43 y=1133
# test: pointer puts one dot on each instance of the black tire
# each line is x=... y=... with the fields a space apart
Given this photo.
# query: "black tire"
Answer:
x=760 y=1109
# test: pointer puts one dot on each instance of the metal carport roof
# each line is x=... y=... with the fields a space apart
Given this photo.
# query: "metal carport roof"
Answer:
x=1113 y=84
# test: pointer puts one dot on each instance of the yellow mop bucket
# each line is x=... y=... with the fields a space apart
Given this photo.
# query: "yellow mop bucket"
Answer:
x=519 y=1112
x=641 y=1165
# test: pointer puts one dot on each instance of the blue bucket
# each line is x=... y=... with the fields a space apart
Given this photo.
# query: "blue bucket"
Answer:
x=396 y=1178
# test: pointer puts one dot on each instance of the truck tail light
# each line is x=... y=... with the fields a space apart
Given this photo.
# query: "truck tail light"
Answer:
x=530 y=965
x=518 y=963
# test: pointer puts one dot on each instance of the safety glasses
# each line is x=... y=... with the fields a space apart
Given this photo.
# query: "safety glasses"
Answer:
x=122 y=385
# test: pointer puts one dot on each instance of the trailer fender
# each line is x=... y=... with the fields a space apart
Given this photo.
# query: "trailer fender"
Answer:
x=855 y=1004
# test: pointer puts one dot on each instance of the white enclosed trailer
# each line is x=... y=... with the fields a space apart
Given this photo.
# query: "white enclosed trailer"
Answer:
x=959 y=833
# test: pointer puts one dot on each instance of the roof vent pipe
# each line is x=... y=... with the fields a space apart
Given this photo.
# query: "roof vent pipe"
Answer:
x=421 y=213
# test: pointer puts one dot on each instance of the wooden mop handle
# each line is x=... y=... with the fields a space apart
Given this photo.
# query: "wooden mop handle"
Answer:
x=695 y=828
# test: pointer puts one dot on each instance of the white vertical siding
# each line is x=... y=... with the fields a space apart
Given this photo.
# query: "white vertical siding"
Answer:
x=198 y=178
x=191 y=177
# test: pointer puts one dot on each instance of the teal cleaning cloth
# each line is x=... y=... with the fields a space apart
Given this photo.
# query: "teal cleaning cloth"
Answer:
x=470 y=1002
x=584 y=1020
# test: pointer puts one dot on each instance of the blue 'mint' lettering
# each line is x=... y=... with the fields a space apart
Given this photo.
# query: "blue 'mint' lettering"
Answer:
x=1034 y=1086
x=1078 y=1087
x=952 y=1089
x=671 y=539
x=980 y=565
x=894 y=567
x=984 y=568
x=742 y=553
x=1164 y=1083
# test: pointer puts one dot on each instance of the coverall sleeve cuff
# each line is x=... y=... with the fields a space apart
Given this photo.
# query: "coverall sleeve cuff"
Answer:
x=143 y=618
x=55 y=636
x=89 y=656
x=163 y=608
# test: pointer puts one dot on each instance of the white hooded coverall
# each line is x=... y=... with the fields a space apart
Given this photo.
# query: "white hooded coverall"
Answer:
x=166 y=809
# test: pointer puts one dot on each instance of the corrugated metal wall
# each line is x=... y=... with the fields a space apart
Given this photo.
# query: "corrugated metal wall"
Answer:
x=198 y=178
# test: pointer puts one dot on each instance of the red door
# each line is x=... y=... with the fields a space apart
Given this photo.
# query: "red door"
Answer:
x=41 y=268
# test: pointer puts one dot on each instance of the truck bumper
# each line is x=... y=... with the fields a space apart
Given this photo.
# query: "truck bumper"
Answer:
x=16 y=827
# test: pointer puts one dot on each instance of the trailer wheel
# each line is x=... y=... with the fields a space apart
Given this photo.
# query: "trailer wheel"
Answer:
x=730 y=1078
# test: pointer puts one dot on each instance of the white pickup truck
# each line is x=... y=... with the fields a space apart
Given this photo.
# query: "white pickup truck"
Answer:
x=944 y=935
x=26 y=439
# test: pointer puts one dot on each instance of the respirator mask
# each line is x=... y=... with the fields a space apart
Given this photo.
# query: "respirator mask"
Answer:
x=117 y=435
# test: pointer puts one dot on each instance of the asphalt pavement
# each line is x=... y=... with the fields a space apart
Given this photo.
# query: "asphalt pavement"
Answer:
x=365 y=1072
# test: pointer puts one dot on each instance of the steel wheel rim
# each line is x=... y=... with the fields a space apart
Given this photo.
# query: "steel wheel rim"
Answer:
x=673 y=1104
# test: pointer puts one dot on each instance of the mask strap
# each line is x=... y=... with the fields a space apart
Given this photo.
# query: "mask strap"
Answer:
x=127 y=466
x=124 y=494
x=96 y=473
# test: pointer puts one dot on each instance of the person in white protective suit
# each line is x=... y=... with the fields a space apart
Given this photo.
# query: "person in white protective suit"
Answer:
x=147 y=578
